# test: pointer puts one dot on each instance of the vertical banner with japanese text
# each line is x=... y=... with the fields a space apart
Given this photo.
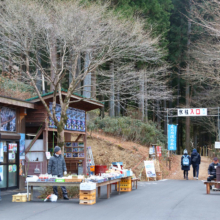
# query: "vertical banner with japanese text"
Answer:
x=172 y=135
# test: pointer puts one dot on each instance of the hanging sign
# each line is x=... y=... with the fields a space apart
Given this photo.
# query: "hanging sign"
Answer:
x=192 y=112
x=149 y=168
x=1 y=173
x=10 y=168
x=1 y=152
x=217 y=145
x=172 y=131
x=159 y=153
x=48 y=156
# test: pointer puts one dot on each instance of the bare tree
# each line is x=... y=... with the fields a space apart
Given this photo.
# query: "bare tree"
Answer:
x=58 y=33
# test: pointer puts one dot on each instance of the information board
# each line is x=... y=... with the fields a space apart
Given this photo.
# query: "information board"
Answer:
x=149 y=168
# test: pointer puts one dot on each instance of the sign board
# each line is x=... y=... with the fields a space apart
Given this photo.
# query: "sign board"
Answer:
x=48 y=156
x=22 y=146
x=217 y=145
x=152 y=150
x=1 y=173
x=192 y=112
x=172 y=131
x=149 y=168
x=7 y=119
x=159 y=153
x=1 y=152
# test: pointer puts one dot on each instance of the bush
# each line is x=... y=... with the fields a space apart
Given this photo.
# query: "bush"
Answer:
x=73 y=192
x=129 y=129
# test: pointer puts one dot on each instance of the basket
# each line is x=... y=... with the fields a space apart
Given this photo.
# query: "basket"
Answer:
x=21 y=197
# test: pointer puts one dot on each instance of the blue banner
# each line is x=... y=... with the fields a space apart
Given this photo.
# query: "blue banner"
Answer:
x=172 y=131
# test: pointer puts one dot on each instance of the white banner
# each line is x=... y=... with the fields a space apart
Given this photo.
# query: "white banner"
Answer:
x=149 y=168
x=192 y=112
x=217 y=145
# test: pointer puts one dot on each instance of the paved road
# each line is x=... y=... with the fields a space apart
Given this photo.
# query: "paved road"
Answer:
x=171 y=200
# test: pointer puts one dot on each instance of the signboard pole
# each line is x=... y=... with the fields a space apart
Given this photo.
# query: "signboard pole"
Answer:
x=218 y=126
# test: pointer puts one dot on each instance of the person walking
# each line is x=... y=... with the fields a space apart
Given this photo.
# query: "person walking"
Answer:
x=195 y=160
x=185 y=164
x=57 y=166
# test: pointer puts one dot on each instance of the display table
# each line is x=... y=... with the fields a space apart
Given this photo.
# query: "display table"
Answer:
x=44 y=184
x=98 y=185
x=134 y=181
x=108 y=184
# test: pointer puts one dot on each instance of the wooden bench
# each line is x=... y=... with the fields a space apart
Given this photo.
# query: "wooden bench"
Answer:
x=208 y=184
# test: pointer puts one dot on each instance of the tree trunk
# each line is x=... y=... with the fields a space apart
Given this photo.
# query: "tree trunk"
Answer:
x=187 y=82
x=112 y=93
x=93 y=81
x=165 y=117
x=88 y=78
x=141 y=101
x=53 y=62
x=60 y=138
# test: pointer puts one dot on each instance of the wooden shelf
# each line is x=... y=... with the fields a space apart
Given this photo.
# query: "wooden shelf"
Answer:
x=77 y=158
x=67 y=131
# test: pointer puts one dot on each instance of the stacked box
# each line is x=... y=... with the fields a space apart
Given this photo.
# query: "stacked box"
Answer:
x=125 y=185
x=87 y=197
x=21 y=197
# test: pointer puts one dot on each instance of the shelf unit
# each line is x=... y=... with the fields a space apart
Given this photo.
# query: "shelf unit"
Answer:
x=74 y=154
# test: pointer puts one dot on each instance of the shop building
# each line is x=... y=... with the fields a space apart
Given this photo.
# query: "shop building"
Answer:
x=12 y=139
x=27 y=134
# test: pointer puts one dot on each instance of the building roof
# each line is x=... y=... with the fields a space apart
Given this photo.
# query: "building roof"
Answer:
x=79 y=101
x=16 y=102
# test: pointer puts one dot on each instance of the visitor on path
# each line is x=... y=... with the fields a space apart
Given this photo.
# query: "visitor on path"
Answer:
x=195 y=160
x=57 y=166
x=0 y=188
x=185 y=164
x=212 y=169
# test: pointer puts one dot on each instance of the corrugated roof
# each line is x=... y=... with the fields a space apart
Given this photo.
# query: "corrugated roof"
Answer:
x=63 y=90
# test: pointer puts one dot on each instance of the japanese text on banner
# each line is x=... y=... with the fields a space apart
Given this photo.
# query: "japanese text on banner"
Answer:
x=172 y=131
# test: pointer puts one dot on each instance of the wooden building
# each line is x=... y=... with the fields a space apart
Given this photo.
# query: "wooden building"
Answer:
x=34 y=130
x=12 y=139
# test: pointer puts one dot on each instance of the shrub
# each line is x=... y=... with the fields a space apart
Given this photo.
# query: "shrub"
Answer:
x=129 y=129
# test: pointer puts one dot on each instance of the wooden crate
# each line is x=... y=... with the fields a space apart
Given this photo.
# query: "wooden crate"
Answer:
x=21 y=197
x=87 y=192
x=87 y=197
x=87 y=202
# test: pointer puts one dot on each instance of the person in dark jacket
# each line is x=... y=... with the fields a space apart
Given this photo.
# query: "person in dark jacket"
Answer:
x=195 y=160
x=57 y=166
x=185 y=164
x=212 y=169
x=0 y=188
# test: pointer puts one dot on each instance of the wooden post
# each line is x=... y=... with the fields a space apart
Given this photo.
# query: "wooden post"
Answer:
x=85 y=156
x=169 y=164
x=99 y=191
x=207 y=188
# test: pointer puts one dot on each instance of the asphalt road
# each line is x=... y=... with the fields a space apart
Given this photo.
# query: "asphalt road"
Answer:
x=171 y=200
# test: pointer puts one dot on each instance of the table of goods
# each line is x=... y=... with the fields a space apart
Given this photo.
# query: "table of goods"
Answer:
x=122 y=179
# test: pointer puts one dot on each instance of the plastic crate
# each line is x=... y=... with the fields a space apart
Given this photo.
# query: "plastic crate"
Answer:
x=125 y=189
x=123 y=185
x=21 y=197
x=87 y=202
